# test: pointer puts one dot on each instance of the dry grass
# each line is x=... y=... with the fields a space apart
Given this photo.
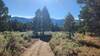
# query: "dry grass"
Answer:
x=63 y=46
x=13 y=43
x=87 y=51
x=89 y=40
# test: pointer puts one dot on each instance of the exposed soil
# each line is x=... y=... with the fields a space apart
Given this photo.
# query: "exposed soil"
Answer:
x=39 y=48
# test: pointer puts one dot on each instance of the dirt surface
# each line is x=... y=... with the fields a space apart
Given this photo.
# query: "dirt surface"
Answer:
x=39 y=48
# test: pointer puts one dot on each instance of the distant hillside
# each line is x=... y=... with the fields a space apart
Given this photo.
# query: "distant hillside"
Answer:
x=26 y=20
x=59 y=22
x=21 y=19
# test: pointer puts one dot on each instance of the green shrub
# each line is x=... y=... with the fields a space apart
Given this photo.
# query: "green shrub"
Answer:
x=61 y=44
x=12 y=43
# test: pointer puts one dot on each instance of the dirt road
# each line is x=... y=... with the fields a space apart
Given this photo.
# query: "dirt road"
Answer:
x=39 y=48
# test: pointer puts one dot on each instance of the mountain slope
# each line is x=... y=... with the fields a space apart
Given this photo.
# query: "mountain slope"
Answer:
x=21 y=19
x=59 y=22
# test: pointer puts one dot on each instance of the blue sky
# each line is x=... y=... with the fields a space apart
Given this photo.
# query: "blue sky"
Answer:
x=57 y=8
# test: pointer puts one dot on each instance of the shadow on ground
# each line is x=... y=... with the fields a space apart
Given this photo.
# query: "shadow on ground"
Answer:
x=45 y=38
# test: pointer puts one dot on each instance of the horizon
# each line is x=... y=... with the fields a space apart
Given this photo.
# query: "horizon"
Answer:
x=57 y=9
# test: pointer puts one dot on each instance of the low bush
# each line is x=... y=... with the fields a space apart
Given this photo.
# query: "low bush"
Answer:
x=63 y=46
x=13 y=43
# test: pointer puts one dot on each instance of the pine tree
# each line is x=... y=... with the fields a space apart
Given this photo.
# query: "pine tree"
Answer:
x=90 y=15
x=37 y=21
x=42 y=21
x=69 y=24
x=4 y=18
x=47 y=24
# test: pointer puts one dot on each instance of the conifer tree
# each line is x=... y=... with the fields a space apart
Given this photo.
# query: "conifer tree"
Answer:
x=69 y=24
x=42 y=21
x=4 y=18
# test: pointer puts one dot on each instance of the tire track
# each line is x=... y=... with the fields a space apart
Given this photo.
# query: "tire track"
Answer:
x=39 y=48
x=36 y=49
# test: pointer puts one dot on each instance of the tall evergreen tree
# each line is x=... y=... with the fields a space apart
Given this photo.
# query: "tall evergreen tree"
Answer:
x=42 y=21
x=69 y=24
x=90 y=15
x=47 y=24
x=4 y=18
x=37 y=21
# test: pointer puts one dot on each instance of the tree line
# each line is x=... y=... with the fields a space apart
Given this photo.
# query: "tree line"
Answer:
x=7 y=24
x=90 y=16
x=88 y=20
x=41 y=21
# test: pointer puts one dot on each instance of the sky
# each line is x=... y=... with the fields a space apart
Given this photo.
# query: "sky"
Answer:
x=58 y=9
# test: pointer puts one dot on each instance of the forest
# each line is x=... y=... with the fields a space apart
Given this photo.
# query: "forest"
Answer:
x=74 y=38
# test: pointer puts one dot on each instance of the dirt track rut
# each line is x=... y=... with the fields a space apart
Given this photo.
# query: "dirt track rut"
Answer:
x=39 y=48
